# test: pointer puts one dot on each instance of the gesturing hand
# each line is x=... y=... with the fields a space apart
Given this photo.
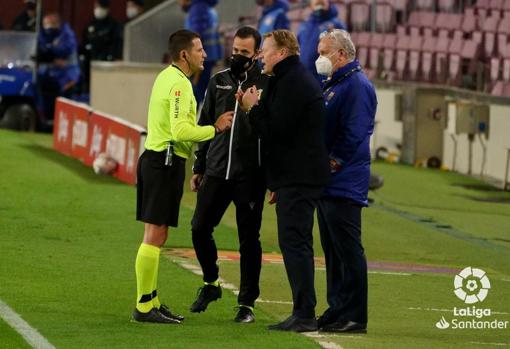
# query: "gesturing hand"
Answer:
x=224 y=122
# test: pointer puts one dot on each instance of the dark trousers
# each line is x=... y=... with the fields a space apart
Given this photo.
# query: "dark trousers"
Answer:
x=346 y=264
x=295 y=207
x=214 y=196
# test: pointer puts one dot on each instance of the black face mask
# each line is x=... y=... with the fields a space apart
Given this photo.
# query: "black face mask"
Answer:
x=52 y=32
x=240 y=64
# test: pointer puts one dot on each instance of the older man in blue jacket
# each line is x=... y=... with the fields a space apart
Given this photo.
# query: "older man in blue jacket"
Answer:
x=351 y=106
x=202 y=18
x=323 y=18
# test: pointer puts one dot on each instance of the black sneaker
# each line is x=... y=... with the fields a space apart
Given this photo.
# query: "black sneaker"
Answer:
x=153 y=316
x=163 y=309
x=206 y=294
x=244 y=315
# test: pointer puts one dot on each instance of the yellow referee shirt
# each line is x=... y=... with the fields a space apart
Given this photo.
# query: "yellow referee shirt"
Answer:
x=172 y=114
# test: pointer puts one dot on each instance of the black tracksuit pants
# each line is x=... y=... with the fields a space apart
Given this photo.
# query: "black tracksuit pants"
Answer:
x=295 y=206
x=214 y=196
x=346 y=264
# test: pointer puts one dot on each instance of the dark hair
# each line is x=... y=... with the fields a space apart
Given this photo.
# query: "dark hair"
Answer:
x=249 y=32
x=180 y=40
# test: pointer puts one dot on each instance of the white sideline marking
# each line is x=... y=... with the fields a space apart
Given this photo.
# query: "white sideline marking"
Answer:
x=484 y=343
x=273 y=302
x=431 y=309
x=196 y=270
x=30 y=334
x=330 y=345
x=451 y=310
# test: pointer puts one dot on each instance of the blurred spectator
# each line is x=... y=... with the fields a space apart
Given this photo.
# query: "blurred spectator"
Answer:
x=58 y=71
x=102 y=39
x=27 y=19
x=323 y=18
x=274 y=15
x=134 y=8
x=203 y=19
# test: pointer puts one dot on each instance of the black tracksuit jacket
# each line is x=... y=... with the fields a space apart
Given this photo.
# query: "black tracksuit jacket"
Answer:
x=236 y=153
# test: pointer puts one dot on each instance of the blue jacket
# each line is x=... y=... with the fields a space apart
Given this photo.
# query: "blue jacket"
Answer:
x=350 y=112
x=274 y=17
x=309 y=32
x=203 y=19
x=59 y=45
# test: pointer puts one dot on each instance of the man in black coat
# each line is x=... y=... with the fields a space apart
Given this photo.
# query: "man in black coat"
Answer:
x=228 y=169
x=290 y=118
x=27 y=19
x=102 y=38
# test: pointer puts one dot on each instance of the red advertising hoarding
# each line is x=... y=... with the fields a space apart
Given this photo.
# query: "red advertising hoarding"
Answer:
x=83 y=134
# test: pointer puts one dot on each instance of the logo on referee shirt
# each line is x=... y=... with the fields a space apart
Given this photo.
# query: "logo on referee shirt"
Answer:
x=177 y=102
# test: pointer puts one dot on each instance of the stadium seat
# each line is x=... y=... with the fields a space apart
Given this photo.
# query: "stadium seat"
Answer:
x=425 y=5
x=359 y=15
x=342 y=12
x=506 y=64
x=496 y=7
x=390 y=43
x=447 y=5
x=385 y=17
x=427 y=58
x=454 y=62
x=477 y=36
x=503 y=34
x=376 y=45
x=403 y=43
x=415 y=48
x=469 y=21
x=441 y=59
x=363 y=44
x=494 y=69
x=489 y=27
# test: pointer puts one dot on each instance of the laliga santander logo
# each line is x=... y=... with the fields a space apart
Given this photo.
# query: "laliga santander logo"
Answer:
x=471 y=285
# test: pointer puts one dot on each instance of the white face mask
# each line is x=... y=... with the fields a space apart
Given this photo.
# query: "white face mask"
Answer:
x=100 y=13
x=131 y=12
x=324 y=66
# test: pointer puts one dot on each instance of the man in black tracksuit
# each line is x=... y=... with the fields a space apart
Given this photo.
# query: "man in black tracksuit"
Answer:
x=290 y=118
x=226 y=169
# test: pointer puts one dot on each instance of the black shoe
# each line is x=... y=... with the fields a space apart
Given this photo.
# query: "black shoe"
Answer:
x=206 y=294
x=163 y=309
x=153 y=316
x=296 y=324
x=328 y=317
x=244 y=315
x=345 y=327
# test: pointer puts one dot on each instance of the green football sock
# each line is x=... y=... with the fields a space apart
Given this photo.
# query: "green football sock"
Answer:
x=155 y=299
x=146 y=265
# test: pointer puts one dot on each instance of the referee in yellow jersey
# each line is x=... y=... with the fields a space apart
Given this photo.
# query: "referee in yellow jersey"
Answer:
x=172 y=129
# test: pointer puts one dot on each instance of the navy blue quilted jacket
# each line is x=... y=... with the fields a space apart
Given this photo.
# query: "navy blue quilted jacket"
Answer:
x=350 y=112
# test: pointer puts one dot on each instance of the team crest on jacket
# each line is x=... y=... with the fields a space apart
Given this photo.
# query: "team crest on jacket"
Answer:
x=330 y=95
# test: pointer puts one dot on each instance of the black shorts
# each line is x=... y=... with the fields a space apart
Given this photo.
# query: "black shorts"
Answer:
x=159 y=188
